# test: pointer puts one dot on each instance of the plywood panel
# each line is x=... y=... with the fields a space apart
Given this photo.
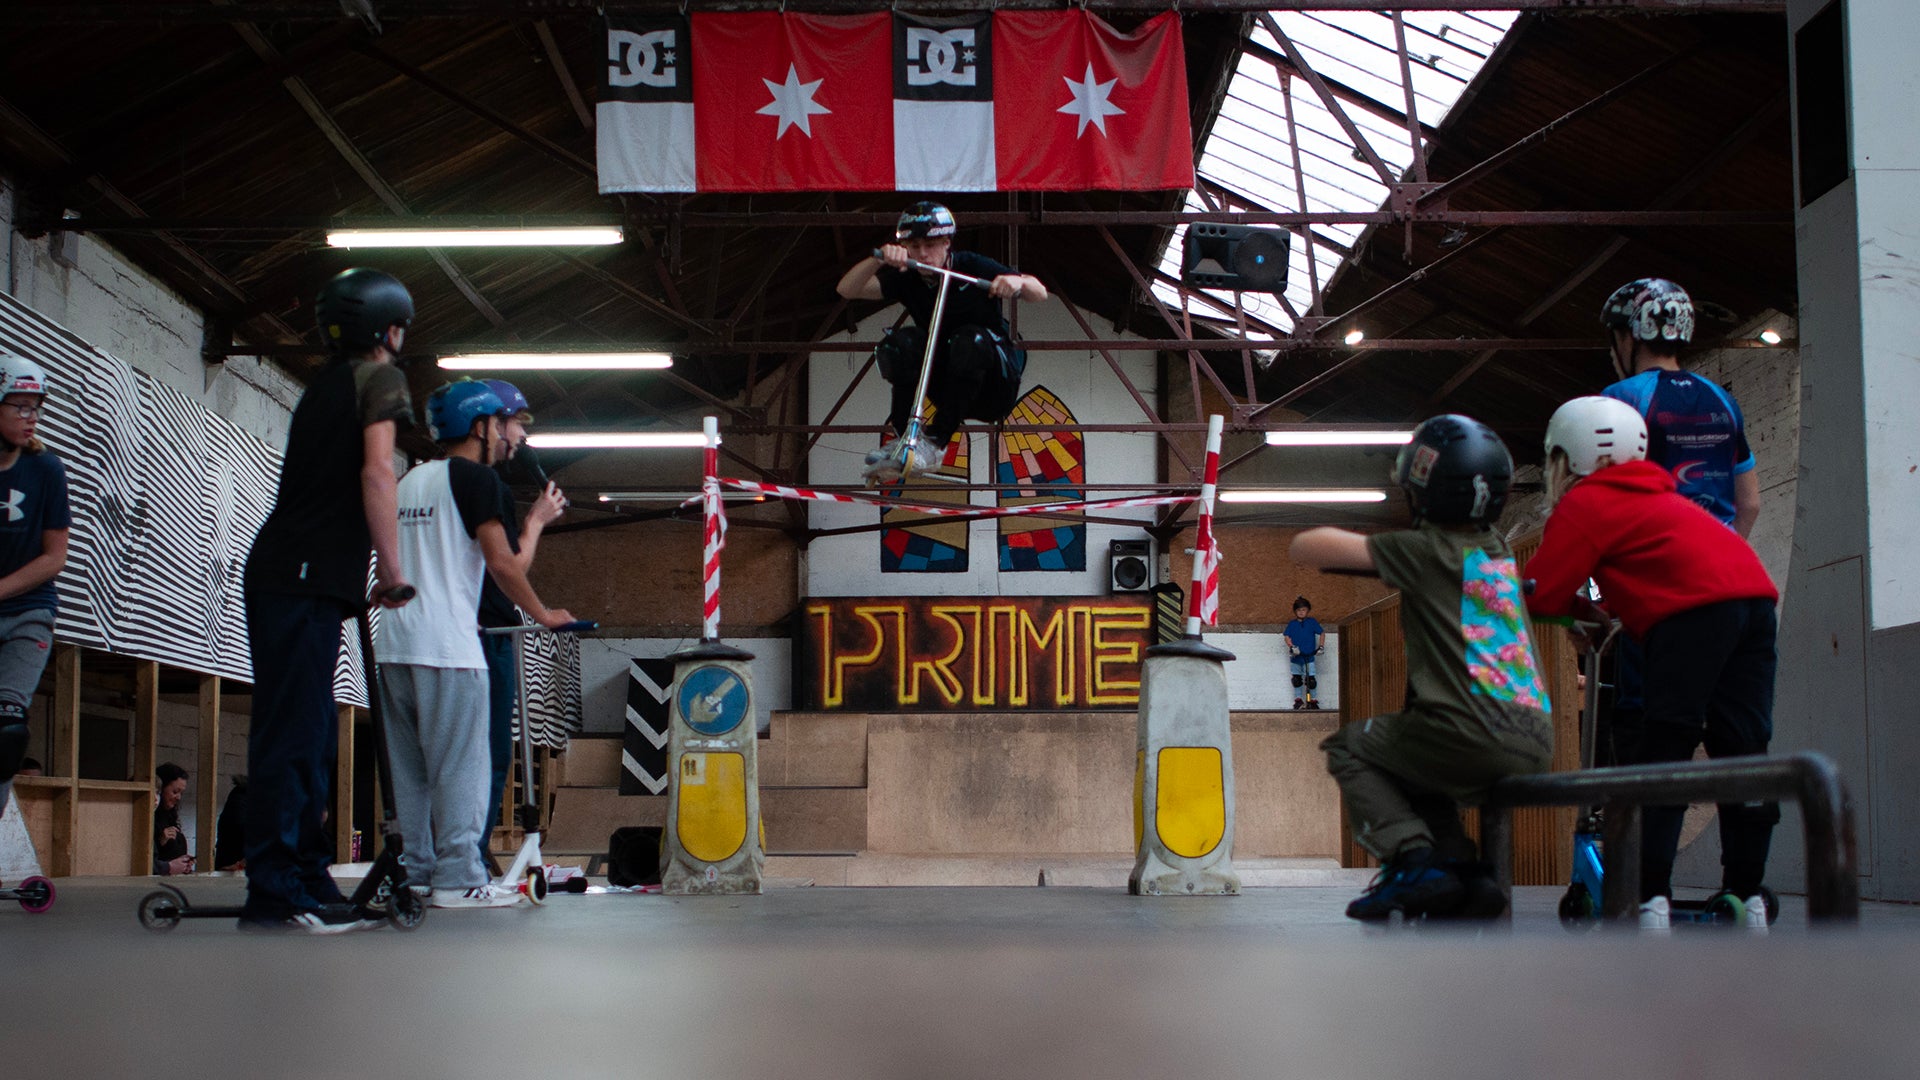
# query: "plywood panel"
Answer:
x=103 y=844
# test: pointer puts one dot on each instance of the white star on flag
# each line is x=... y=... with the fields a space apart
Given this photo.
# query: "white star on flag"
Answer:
x=793 y=103
x=1089 y=102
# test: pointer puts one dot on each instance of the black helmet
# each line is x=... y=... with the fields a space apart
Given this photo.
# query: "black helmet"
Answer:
x=1456 y=471
x=928 y=219
x=1650 y=309
x=356 y=306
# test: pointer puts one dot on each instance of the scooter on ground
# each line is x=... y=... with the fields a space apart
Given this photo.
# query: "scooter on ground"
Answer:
x=383 y=893
x=528 y=874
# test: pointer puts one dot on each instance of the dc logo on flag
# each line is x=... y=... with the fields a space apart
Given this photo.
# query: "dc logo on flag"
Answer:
x=641 y=59
x=940 y=56
x=648 y=61
x=942 y=59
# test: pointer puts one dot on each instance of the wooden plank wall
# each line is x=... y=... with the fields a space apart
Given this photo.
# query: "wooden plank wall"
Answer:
x=1373 y=678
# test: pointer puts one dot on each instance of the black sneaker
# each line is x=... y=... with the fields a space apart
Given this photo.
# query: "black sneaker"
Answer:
x=1413 y=883
x=1298 y=702
x=1481 y=896
x=331 y=919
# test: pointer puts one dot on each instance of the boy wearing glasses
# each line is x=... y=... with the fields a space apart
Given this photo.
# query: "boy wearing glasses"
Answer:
x=33 y=550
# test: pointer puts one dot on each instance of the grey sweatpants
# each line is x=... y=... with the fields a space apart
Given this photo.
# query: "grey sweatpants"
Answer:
x=437 y=739
x=1404 y=775
x=26 y=640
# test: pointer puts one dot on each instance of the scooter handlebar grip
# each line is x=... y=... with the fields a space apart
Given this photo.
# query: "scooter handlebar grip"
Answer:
x=399 y=594
x=577 y=626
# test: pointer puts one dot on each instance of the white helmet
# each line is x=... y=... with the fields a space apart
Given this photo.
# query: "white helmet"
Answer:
x=1590 y=428
x=19 y=375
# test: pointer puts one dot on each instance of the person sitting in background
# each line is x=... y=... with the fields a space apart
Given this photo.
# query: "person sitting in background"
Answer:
x=169 y=840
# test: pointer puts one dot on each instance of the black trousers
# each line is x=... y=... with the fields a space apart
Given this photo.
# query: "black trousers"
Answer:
x=969 y=379
x=1709 y=678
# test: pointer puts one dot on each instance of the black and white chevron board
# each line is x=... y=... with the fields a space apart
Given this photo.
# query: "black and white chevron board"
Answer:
x=167 y=496
x=643 y=756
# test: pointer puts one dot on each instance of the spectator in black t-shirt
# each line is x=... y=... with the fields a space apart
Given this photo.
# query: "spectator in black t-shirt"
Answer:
x=169 y=840
x=503 y=688
x=976 y=364
x=230 y=834
x=306 y=574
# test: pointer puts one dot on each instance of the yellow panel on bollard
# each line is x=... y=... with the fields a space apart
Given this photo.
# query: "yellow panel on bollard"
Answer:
x=1190 y=801
x=1183 y=782
x=714 y=842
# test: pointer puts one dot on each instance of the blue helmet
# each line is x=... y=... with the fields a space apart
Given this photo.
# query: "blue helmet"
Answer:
x=510 y=396
x=452 y=409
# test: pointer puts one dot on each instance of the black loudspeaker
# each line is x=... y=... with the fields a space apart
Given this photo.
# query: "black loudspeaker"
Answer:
x=1129 y=565
x=1243 y=258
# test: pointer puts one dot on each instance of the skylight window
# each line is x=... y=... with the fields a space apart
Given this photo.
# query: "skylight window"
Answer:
x=1248 y=164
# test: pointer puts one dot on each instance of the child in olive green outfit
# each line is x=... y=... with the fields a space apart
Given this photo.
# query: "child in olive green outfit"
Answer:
x=1476 y=711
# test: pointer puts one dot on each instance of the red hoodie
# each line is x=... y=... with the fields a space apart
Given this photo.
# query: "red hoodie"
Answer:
x=1653 y=552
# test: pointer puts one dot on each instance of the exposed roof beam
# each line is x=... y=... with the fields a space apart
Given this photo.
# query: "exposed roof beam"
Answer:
x=69 y=12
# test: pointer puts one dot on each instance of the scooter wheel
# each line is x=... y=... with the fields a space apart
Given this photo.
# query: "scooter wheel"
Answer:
x=36 y=895
x=1726 y=910
x=536 y=886
x=406 y=909
x=160 y=911
x=1577 y=911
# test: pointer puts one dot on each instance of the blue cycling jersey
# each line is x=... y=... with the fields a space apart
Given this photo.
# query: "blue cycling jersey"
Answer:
x=1694 y=430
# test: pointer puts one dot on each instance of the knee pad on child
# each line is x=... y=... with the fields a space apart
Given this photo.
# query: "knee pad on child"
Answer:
x=13 y=743
x=1312 y=682
x=900 y=352
x=1298 y=680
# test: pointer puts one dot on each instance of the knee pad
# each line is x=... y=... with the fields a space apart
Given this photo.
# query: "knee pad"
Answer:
x=1298 y=680
x=900 y=352
x=1312 y=682
x=13 y=745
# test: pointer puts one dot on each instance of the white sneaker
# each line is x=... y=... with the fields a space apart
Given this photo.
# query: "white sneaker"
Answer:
x=1656 y=916
x=482 y=896
x=1756 y=918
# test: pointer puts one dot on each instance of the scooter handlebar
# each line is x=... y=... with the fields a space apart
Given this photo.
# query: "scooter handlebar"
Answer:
x=577 y=626
x=964 y=279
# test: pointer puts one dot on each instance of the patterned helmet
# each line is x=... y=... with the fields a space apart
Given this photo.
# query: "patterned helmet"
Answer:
x=452 y=409
x=1456 y=471
x=510 y=395
x=1650 y=309
x=1587 y=429
x=356 y=306
x=924 y=219
x=19 y=375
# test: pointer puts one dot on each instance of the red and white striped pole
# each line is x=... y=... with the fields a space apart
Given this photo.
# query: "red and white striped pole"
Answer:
x=1204 y=601
x=715 y=530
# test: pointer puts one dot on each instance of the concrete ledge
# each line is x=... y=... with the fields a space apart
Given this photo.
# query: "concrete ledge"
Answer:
x=875 y=870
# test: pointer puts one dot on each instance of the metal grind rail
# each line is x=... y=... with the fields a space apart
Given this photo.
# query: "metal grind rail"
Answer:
x=1808 y=778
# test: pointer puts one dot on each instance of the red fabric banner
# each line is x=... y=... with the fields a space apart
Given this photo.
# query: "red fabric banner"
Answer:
x=1095 y=108
x=793 y=102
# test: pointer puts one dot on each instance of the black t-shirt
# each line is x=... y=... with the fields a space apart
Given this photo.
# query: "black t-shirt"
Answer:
x=495 y=608
x=33 y=499
x=481 y=496
x=967 y=305
x=316 y=542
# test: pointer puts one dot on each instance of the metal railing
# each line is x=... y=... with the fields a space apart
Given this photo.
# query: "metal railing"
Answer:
x=1811 y=779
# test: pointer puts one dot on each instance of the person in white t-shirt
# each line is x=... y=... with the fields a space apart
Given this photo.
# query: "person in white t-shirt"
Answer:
x=433 y=676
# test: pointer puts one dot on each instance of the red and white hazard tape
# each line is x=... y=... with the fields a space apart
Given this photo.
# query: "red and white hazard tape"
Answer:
x=781 y=491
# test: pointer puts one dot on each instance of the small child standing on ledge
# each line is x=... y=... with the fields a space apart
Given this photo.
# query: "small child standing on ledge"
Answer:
x=1305 y=639
x=1476 y=711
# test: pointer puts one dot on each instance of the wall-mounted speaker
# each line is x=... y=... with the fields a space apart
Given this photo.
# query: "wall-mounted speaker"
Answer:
x=1129 y=565
x=1243 y=258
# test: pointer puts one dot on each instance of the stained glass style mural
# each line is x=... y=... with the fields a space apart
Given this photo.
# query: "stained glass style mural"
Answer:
x=1049 y=467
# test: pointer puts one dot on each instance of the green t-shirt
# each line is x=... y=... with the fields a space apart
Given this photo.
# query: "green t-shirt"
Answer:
x=1463 y=618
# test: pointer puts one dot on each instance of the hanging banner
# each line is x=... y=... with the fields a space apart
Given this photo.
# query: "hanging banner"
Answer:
x=936 y=654
x=1010 y=101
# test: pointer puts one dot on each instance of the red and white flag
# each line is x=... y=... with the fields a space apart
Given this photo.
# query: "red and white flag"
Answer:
x=765 y=101
x=1098 y=108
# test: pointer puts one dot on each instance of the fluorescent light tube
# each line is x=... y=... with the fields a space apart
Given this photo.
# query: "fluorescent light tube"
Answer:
x=580 y=236
x=1303 y=495
x=1338 y=438
x=562 y=361
x=616 y=440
